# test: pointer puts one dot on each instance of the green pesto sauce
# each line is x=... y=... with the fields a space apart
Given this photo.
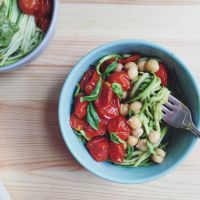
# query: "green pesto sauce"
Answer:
x=7 y=28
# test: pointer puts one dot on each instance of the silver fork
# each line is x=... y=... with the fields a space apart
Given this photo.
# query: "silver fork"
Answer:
x=176 y=114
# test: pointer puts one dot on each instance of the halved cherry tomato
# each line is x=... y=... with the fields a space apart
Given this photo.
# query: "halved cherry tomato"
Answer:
x=80 y=107
x=121 y=78
x=98 y=148
x=76 y=123
x=107 y=105
x=119 y=126
x=116 y=152
x=87 y=76
x=133 y=58
x=91 y=83
x=105 y=64
x=90 y=132
x=162 y=74
x=29 y=7
x=44 y=8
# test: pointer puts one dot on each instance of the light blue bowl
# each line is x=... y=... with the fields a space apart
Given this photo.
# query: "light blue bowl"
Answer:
x=39 y=49
x=181 y=143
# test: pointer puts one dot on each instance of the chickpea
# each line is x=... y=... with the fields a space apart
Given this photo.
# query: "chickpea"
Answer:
x=160 y=152
x=124 y=108
x=125 y=94
x=132 y=141
x=152 y=65
x=142 y=145
x=135 y=122
x=157 y=159
x=137 y=132
x=119 y=67
x=130 y=65
x=132 y=73
x=141 y=65
x=135 y=107
x=154 y=137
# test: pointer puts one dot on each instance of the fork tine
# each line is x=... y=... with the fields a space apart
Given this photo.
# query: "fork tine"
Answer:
x=173 y=99
x=166 y=118
x=166 y=110
x=169 y=105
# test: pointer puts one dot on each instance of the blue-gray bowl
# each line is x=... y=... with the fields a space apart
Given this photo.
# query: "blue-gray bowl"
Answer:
x=38 y=50
x=181 y=142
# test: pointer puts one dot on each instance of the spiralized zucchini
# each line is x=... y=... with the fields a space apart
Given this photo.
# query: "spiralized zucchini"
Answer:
x=25 y=39
x=147 y=89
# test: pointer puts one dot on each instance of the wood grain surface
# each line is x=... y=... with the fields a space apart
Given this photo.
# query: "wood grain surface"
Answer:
x=34 y=162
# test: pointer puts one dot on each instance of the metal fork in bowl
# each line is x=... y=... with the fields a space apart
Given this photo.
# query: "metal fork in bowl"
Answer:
x=177 y=115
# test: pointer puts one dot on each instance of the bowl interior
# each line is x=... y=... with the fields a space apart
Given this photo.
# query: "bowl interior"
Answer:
x=180 y=143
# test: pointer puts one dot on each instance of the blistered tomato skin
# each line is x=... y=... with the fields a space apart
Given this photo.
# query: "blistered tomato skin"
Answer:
x=87 y=76
x=91 y=84
x=121 y=78
x=116 y=152
x=76 y=123
x=162 y=74
x=119 y=125
x=90 y=132
x=98 y=148
x=80 y=107
x=107 y=108
x=29 y=7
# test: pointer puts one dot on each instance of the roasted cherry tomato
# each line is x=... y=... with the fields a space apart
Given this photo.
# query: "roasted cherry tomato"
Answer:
x=87 y=76
x=115 y=101
x=119 y=126
x=133 y=58
x=105 y=64
x=98 y=148
x=116 y=152
x=29 y=7
x=80 y=107
x=162 y=74
x=91 y=83
x=121 y=78
x=43 y=23
x=90 y=132
x=44 y=8
x=107 y=105
x=106 y=94
x=76 y=123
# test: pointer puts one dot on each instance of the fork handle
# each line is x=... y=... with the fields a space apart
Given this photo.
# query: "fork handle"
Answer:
x=195 y=131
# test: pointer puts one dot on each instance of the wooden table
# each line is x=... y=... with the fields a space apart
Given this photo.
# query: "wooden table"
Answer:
x=34 y=162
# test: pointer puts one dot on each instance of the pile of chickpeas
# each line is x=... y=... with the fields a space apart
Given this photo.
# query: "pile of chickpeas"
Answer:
x=132 y=68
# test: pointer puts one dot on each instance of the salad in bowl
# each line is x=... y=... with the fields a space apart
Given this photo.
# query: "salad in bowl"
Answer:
x=117 y=109
x=110 y=111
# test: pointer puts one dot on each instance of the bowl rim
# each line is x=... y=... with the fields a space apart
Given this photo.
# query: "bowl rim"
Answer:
x=43 y=44
x=93 y=52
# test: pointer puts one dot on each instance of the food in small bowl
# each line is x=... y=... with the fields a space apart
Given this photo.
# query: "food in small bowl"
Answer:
x=173 y=145
x=118 y=109
x=24 y=24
